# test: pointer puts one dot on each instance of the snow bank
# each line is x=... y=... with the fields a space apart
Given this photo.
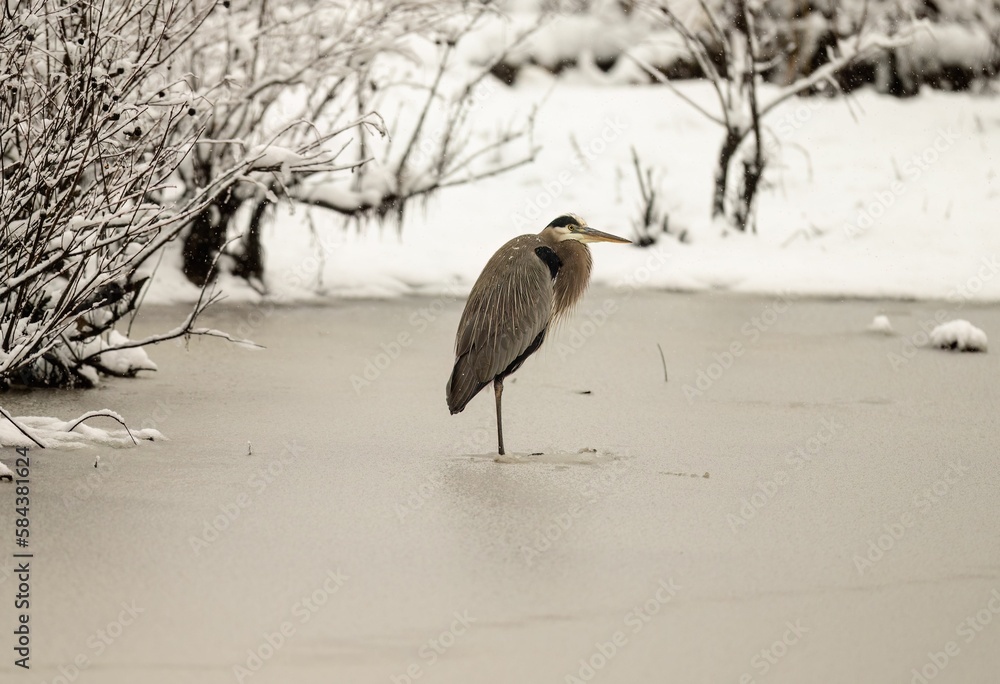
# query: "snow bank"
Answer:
x=73 y=434
x=904 y=209
x=959 y=335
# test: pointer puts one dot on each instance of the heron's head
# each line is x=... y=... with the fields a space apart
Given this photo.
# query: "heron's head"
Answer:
x=572 y=227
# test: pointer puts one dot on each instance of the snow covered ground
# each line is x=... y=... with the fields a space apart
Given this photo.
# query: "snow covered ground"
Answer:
x=866 y=197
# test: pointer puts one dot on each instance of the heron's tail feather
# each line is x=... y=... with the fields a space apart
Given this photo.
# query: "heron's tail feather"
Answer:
x=462 y=385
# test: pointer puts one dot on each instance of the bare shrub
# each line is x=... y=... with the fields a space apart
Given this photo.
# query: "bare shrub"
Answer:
x=266 y=67
x=93 y=128
x=744 y=34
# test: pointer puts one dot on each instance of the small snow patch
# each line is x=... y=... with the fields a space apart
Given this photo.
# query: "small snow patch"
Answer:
x=6 y=473
x=959 y=335
x=880 y=324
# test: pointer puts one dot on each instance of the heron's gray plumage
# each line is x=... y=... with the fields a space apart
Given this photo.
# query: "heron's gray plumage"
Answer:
x=508 y=308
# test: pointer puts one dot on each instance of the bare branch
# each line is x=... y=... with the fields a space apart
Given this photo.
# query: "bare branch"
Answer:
x=660 y=78
x=20 y=428
x=105 y=413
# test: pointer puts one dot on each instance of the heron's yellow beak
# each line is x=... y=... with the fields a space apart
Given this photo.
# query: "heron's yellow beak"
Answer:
x=587 y=234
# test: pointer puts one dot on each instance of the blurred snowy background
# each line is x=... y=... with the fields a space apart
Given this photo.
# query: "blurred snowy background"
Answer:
x=787 y=459
x=297 y=151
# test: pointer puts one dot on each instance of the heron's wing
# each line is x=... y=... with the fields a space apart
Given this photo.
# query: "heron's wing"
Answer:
x=506 y=315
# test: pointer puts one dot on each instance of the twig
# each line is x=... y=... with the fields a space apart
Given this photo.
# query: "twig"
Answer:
x=106 y=414
x=663 y=360
x=663 y=80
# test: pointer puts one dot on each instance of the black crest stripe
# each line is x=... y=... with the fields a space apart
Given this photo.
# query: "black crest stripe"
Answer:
x=563 y=221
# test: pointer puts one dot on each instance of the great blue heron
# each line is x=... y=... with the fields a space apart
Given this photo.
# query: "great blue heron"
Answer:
x=530 y=281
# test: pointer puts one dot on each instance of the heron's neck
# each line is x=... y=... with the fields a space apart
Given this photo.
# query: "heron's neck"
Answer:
x=574 y=274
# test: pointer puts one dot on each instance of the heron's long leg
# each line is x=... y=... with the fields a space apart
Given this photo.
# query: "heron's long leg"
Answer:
x=498 y=390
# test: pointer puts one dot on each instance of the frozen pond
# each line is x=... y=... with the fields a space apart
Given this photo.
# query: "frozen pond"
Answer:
x=809 y=509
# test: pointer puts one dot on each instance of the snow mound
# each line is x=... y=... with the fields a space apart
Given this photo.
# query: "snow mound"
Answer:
x=73 y=434
x=125 y=361
x=880 y=324
x=111 y=357
x=6 y=473
x=959 y=335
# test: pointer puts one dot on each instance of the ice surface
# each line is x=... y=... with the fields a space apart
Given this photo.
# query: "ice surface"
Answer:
x=959 y=335
x=547 y=558
x=584 y=456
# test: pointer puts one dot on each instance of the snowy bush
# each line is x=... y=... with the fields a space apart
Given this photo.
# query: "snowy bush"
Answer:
x=84 y=168
x=958 y=48
x=276 y=74
x=432 y=98
x=653 y=219
x=302 y=74
x=742 y=30
x=93 y=127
